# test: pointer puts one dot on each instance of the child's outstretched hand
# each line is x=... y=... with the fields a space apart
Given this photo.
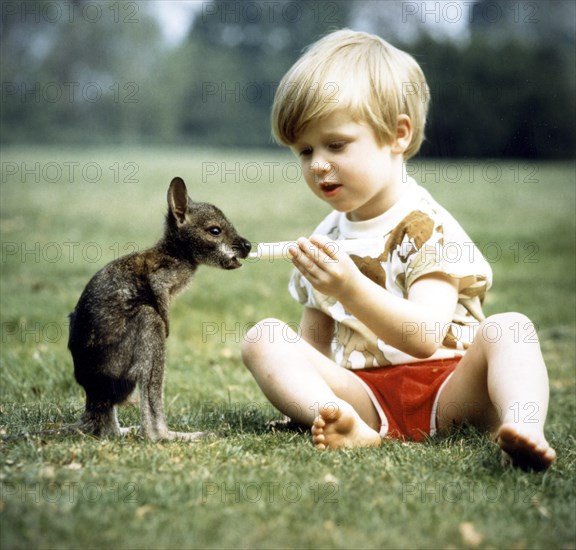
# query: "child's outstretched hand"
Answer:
x=328 y=269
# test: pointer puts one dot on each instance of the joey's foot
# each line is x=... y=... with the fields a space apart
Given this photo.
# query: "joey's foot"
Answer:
x=524 y=449
x=339 y=425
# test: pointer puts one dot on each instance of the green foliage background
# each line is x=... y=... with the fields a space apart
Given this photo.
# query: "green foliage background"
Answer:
x=79 y=75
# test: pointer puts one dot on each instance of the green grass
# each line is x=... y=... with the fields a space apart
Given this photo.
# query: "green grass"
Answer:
x=248 y=488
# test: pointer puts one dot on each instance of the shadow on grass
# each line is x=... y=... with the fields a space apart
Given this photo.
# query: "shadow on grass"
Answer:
x=229 y=419
x=221 y=418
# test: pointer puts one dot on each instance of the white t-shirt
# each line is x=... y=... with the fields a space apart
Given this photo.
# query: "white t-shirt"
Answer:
x=419 y=237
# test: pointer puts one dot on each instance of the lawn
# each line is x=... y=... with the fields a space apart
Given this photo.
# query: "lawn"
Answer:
x=65 y=213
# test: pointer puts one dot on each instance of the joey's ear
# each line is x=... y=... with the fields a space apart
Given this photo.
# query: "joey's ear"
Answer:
x=178 y=199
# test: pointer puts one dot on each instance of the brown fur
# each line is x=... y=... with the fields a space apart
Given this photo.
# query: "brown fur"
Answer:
x=119 y=326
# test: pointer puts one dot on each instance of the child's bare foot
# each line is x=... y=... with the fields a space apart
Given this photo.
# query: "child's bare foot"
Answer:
x=340 y=426
x=524 y=449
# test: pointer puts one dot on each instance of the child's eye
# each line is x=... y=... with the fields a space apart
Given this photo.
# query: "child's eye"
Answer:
x=306 y=152
x=337 y=145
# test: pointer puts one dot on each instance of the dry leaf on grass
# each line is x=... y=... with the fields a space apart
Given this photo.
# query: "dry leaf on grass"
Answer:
x=470 y=536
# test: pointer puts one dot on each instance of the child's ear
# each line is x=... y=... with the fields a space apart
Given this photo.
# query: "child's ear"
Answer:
x=178 y=199
x=403 y=135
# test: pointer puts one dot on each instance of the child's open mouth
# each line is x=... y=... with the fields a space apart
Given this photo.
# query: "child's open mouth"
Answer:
x=329 y=189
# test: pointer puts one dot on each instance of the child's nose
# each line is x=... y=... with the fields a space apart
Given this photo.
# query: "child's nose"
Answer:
x=320 y=166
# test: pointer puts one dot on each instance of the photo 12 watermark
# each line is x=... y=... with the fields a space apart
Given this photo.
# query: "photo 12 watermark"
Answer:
x=54 y=252
x=270 y=492
x=427 y=172
x=238 y=92
x=487 y=12
x=490 y=331
x=67 y=492
x=33 y=332
x=67 y=172
x=69 y=92
x=270 y=330
x=458 y=492
x=270 y=11
x=253 y=92
x=251 y=172
x=69 y=11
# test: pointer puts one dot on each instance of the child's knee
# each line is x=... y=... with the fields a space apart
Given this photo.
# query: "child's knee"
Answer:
x=512 y=327
x=509 y=321
x=257 y=339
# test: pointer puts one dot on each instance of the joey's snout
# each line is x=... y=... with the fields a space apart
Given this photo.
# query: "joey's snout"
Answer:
x=243 y=248
x=240 y=249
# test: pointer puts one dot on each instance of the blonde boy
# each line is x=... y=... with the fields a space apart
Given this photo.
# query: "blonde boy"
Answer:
x=404 y=319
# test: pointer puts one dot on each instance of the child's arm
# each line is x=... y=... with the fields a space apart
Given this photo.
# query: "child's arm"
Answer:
x=416 y=326
x=318 y=330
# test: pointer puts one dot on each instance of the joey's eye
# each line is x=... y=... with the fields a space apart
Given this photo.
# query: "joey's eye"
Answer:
x=214 y=230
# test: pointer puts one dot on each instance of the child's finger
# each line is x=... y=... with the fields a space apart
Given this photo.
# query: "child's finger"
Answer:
x=326 y=245
x=313 y=252
x=304 y=262
x=293 y=251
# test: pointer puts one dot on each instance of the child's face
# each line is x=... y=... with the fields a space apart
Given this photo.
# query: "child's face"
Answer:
x=345 y=165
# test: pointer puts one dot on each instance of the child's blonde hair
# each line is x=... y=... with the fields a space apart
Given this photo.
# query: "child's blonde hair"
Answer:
x=356 y=72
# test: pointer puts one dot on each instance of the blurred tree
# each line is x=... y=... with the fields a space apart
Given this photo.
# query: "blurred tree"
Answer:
x=503 y=92
x=240 y=51
x=86 y=72
x=77 y=71
x=534 y=23
x=512 y=101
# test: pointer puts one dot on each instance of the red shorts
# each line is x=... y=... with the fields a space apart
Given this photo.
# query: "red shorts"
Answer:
x=406 y=396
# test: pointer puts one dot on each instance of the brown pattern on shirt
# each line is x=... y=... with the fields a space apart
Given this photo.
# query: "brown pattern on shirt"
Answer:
x=371 y=268
x=417 y=226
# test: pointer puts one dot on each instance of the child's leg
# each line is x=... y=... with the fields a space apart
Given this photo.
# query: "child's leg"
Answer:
x=301 y=382
x=501 y=384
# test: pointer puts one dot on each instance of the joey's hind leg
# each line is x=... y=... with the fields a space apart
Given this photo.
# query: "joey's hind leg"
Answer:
x=149 y=363
x=105 y=387
x=100 y=419
x=149 y=359
x=104 y=390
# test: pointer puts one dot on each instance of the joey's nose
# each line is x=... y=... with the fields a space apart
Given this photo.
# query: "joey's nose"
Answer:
x=245 y=247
